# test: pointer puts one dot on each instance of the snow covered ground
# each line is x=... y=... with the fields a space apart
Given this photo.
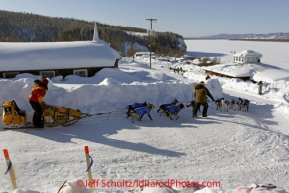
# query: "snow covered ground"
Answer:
x=234 y=148
x=274 y=63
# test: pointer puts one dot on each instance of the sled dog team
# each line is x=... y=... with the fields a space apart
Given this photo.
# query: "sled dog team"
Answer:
x=138 y=110
x=239 y=104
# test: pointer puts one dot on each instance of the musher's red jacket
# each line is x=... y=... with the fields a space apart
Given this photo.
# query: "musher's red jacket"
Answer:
x=37 y=94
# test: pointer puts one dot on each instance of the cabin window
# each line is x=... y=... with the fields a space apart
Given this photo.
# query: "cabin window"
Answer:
x=80 y=72
x=47 y=74
x=10 y=74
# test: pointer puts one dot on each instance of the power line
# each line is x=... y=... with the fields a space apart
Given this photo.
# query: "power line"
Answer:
x=152 y=22
x=150 y=34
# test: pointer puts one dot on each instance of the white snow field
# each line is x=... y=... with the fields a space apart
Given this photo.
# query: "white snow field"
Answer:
x=235 y=148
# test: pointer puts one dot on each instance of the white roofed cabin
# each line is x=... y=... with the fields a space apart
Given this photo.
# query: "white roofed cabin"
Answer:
x=247 y=56
x=49 y=59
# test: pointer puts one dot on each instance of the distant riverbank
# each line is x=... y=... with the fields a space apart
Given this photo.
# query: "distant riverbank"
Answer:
x=255 y=40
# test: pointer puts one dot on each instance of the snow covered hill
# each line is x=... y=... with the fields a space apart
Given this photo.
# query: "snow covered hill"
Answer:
x=277 y=36
x=235 y=148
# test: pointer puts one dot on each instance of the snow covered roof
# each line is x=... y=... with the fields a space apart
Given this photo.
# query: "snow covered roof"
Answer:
x=248 y=53
x=231 y=69
x=56 y=55
x=257 y=72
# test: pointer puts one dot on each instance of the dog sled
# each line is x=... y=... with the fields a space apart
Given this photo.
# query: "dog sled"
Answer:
x=13 y=117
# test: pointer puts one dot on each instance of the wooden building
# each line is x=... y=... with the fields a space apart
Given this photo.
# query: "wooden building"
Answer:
x=49 y=59
x=247 y=56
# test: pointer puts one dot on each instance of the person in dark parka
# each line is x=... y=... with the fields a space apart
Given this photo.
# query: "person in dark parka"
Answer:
x=200 y=94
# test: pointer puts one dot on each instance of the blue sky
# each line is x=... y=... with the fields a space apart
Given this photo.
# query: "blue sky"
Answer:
x=185 y=17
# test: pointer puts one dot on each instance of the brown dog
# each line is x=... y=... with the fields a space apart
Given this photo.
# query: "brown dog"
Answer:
x=164 y=106
x=138 y=113
x=218 y=103
x=174 y=110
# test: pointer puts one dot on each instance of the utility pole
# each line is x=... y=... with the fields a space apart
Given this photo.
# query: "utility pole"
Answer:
x=150 y=31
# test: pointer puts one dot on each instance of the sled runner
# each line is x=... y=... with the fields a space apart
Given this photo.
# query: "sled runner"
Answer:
x=31 y=126
x=15 y=118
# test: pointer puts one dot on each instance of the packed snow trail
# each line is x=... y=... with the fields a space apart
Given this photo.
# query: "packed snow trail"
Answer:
x=232 y=148
x=269 y=112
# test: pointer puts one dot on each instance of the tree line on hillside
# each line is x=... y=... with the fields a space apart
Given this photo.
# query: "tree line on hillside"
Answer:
x=27 y=27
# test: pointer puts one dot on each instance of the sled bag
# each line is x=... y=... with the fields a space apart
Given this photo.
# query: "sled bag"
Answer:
x=60 y=115
x=12 y=115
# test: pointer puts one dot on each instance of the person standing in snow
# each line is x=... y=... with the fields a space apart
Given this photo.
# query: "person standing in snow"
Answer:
x=36 y=101
x=260 y=84
x=200 y=94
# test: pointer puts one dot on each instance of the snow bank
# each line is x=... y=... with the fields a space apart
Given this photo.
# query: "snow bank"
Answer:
x=194 y=72
x=109 y=95
x=278 y=90
x=270 y=75
x=124 y=76
x=214 y=85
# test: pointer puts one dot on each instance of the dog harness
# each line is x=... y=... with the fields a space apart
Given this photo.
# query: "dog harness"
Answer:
x=135 y=105
x=142 y=110
x=166 y=105
x=174 y=108
x=219 y=100
x=239 y=103
x=227 y=102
